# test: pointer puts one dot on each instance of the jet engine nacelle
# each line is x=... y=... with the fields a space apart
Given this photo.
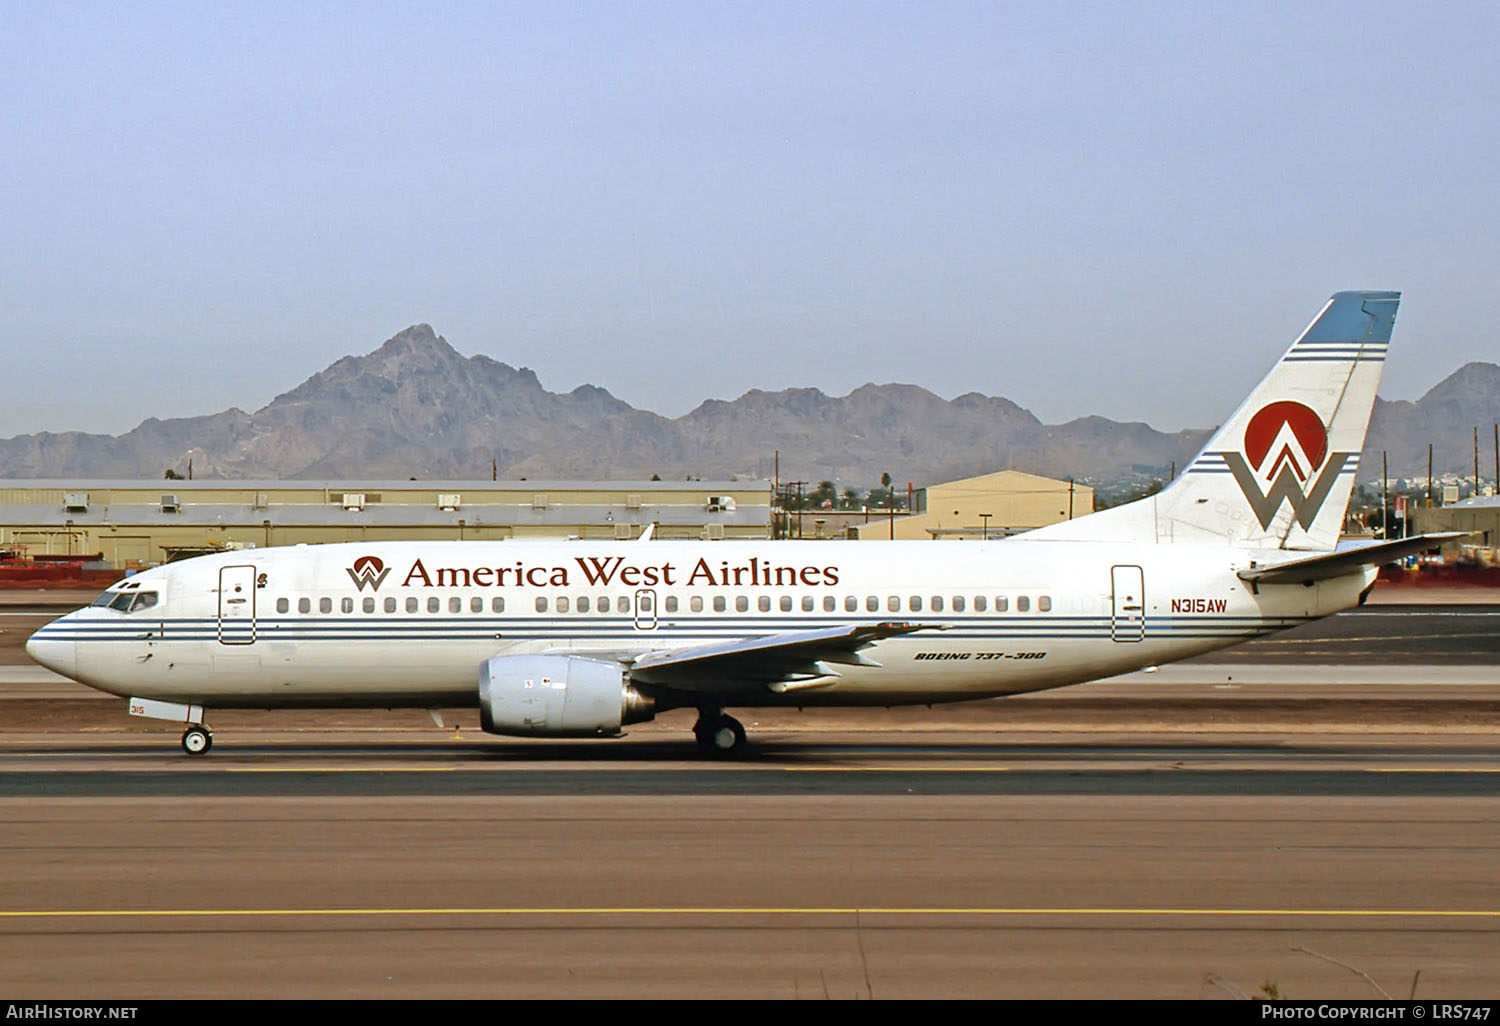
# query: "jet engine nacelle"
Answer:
x=558 y=696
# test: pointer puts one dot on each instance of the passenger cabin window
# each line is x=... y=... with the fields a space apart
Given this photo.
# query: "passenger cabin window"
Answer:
x=476 y=605
x=742 y=604
x=347 y=605
x=980 y=603
x=808 y=603
x=304 y=605
x=325 y=605
x=786 y=604
x=368 y=605
x=603 y=603
x=562 y=604
x=434 y=605
x=283 y=606
x=719 y=604
x=851 y=604
x=583 y=603
x=411 y=605
x=893 y=604
x=958 y=603
x=696 y=603
x=830 y=604
x=497 y=604
x=937 y=603
x=671 y=601
x=390 y=605
x=916 y=603
x=1044 y=603
x=455 y=605
x=1023 y=604
x=764 y=603
x=541 y=604
x=1002 y=603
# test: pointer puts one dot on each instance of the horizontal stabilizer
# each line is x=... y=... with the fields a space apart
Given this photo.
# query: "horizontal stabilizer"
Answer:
x=1327 y=565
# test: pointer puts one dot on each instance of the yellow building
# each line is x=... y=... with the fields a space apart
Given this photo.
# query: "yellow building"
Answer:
x=138 y=523
x=991 y=505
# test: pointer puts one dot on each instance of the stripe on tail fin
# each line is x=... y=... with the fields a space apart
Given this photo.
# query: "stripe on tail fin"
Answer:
x=1279 y=473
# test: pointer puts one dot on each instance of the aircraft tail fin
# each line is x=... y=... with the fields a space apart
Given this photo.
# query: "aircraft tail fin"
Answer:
x=1278 y=474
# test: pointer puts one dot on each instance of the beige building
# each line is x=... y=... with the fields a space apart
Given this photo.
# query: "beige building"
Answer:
x=991 y=505
x=1480 y=516
x=138 y=523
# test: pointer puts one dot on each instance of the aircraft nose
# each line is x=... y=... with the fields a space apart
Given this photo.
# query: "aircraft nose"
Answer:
x=57 y=656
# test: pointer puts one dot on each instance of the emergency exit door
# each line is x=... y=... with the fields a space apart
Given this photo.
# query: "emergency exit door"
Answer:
x=1128 y=616
x=237 y=605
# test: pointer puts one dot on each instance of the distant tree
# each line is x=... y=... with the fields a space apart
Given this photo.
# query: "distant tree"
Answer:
x=851 y=498
x=656 y=477
x=172 y=475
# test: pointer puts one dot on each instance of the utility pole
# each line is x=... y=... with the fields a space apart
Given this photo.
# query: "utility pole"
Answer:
x=1497 y=459
x=1429 y=475
x=1070 y=498
x=1476 y=459
x=1385 y=514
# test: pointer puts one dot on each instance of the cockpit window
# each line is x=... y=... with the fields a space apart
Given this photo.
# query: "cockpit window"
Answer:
x=127 y=601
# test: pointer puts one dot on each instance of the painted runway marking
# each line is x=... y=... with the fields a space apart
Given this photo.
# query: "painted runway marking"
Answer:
x=778 y=911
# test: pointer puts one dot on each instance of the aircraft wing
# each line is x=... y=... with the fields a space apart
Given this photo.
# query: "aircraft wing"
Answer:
x=783 y=661
x=1326 y=565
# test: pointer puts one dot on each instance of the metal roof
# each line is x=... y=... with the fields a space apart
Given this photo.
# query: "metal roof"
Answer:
x=149 y=514
x=168 y=485
x=1475 y=502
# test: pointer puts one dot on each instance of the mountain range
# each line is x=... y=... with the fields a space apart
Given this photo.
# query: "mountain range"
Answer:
x=415 y=407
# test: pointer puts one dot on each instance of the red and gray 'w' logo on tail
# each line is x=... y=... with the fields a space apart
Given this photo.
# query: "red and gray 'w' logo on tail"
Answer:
x=367 y=571
x=1286 y=444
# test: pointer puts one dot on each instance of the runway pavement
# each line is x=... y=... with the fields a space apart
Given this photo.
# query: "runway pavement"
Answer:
x=1301 y=818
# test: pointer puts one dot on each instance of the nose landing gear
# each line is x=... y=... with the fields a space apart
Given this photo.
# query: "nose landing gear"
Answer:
x=197 y=739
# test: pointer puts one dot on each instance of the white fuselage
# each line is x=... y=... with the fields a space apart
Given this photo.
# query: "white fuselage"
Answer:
x=301 y=627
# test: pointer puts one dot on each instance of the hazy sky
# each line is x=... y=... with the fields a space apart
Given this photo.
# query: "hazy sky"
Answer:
x=1127 y=209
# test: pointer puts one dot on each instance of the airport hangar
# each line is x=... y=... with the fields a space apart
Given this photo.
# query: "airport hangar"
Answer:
x=132 y=524
x=1478 y=515
x=137 y=523
x=988 y=506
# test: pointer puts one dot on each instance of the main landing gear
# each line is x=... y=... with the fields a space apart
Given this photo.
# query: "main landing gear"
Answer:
x=197 y=739
x=718 y=734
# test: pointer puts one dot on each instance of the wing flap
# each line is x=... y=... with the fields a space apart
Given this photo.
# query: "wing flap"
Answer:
x=788 y=658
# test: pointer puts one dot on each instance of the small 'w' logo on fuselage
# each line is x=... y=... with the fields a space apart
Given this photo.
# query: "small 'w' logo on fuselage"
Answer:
x=1286 y=471
x=367 y=571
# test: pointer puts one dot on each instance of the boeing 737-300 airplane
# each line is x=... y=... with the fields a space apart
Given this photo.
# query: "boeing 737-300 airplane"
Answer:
x=580 y=638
